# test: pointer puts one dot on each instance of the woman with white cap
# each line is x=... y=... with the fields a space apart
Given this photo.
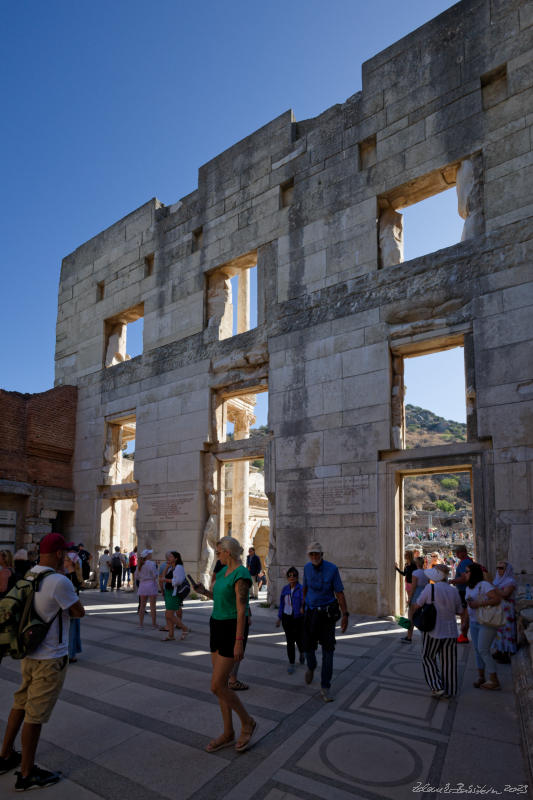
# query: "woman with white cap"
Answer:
x=148 y=586
x=441 y=642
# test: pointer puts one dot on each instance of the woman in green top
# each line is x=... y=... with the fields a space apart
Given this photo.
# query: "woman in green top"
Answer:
x=228 y=634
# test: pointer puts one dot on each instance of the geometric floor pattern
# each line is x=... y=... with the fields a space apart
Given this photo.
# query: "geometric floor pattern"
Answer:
x=136 y=713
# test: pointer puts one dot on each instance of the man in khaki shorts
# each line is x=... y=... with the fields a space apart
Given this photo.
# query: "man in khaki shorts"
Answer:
x=44 y=672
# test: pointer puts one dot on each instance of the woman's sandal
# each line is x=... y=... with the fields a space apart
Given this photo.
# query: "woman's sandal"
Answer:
x=238 y=686
x=491 y=685
x=184 y=634
x=245 y=739
x=219 y=744
x=168 y=639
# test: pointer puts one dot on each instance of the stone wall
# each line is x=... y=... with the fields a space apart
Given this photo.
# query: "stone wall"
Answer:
x=317 y=206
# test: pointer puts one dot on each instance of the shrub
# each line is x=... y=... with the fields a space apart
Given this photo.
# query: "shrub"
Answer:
x=445 y=505
x=449 y=483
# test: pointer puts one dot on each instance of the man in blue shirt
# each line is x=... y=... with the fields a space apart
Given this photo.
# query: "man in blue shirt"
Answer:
x=322 y=588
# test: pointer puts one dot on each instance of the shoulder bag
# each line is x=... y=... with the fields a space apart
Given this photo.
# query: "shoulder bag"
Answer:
x=493 y=616
x=425 y=617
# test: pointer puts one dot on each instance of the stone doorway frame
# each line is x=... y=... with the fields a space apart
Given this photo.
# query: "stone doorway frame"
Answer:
x=475 y=458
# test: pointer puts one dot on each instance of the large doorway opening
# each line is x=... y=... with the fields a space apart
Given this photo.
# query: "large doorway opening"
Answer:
x=438 y=514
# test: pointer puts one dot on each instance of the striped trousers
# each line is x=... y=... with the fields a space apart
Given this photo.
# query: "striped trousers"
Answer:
x=445 y=676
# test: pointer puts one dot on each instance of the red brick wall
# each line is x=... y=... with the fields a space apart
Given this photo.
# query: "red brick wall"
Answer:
x=37 y=434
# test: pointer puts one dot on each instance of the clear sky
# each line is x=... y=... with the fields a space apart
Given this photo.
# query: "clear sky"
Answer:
x=107 y=104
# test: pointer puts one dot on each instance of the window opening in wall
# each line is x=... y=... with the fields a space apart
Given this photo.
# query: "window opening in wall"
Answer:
x=124 y=336
x=432 y=224
x=367 y=152
x=245 y=415
x=494 y=86
x=232 y=305
x=149 y=265
x=434 y=211
x=437 y=514
x=435 y=398
x=244 y=319
x=197 y=239
x=286 y=193
x=119 y=451
x=100 y=290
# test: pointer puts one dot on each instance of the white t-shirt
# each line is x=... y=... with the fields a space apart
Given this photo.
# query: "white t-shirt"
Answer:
x=104 y=562
x=448 y=604
x=56 y=591
x=481 y=588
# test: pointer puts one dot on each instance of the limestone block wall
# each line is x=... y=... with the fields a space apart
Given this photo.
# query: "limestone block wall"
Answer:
x=316 y=205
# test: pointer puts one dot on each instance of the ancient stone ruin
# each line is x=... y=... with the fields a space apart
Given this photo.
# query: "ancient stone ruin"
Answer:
x=311 y=213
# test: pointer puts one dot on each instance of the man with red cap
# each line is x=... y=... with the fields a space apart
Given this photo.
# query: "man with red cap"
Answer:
x=43 y=673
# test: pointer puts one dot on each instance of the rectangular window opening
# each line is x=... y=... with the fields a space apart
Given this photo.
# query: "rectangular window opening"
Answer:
x=494 y=86
x=434 y=211
x=438 y=516
x=435 y=398
x=197 y=239
x=286 y=193
x=244 y=415
x=149 y=265
x=367 y=153
x=119 y=451
x=244 y=511
x=232 y=298
x=100 y=290
x=124 y=336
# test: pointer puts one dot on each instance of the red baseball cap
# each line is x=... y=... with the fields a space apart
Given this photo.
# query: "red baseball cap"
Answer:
x=51 y=543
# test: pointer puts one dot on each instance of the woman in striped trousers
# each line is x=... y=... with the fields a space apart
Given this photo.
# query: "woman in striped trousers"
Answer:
x=439 y=649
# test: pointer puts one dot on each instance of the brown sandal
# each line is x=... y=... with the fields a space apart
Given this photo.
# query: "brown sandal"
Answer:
x=219 y=744
x=168 y=639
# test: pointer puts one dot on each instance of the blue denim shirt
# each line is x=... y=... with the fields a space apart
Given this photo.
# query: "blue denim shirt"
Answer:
x=297 y=600
x=321 y=583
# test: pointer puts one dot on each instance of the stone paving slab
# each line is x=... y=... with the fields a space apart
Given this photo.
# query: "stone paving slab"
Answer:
x=136 y=714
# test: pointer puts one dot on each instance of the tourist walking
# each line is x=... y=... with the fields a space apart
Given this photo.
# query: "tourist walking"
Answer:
x=132 y=559
x=460 y=581
x=233 y=680
x=85 y=558
x=104 y=566
x=253 y=564
x=291 y=616
x=440 y=644
x=325 y=603
x=172 y=578
x=148 y=589
x=116 y=569
x=44 y=671
x=72 y=570
x=407 y=572
x=504 y=645
x=418 y=582
x=481 y=593
x=228 y=634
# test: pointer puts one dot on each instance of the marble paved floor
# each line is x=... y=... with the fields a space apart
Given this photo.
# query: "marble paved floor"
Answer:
x=136 y=714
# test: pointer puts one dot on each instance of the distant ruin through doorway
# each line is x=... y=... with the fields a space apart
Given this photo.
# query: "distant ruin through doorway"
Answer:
x=438 y=511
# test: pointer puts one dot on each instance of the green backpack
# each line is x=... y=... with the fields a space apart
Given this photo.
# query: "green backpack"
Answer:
x=21 y=629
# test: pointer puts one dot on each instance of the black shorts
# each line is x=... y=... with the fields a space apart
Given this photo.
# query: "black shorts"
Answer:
x=222 y=633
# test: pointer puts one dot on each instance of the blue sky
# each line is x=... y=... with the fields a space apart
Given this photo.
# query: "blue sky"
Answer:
x=107 y=104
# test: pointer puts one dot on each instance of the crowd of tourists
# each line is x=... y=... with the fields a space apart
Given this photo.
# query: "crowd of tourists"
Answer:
x=486 y=610
x=308 y=612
